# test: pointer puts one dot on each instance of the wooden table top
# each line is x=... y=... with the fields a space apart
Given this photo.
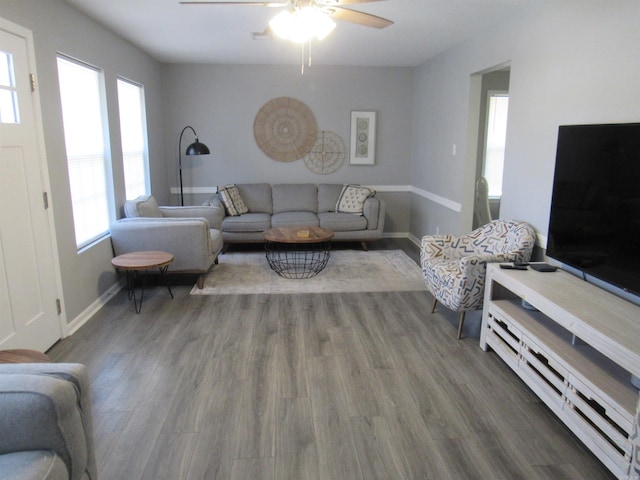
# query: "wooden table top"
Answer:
x=298 y=234
x=142 y=260
x=23 y=355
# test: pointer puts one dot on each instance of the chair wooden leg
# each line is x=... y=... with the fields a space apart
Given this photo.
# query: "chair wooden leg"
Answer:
x=435 y=304
x=460 y=325
x=201 y=281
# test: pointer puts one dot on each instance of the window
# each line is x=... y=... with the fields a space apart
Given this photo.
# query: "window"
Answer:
x=9 y=112
x=87 y=153
x=498 y=106
x=133 y=134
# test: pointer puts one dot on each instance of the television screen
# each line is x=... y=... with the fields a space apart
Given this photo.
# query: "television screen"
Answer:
x=594 y=224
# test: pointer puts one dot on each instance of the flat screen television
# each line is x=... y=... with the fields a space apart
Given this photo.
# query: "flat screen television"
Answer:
x=594 y=224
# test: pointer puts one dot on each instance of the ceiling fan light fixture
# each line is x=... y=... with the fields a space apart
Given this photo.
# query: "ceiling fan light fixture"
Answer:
x=302 y=24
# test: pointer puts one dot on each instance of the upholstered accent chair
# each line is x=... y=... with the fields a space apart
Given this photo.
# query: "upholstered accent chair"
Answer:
x=46 y=426
x=454 y=267
x=192 y=234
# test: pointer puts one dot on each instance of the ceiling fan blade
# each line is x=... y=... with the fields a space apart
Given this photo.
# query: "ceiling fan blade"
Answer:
x=360 y=18
x=224 y=2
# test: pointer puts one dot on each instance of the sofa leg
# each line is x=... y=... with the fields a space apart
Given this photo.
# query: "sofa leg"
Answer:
x=201 y=281
x=460 y=325
x=435 y=304
x=365 y=247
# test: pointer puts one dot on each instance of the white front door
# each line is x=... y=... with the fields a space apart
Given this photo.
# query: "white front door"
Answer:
x=29 y=282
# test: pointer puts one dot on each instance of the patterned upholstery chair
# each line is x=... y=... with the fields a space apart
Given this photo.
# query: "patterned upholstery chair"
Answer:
x=454 y=267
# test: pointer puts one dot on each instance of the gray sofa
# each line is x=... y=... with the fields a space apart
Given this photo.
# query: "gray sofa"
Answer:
x=290 y=205
x=45 y=422
x=191 y=234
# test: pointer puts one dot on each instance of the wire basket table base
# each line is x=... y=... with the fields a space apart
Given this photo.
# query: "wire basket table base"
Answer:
x=297 y=260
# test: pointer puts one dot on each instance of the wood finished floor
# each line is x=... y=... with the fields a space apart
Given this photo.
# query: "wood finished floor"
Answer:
x=309 y=387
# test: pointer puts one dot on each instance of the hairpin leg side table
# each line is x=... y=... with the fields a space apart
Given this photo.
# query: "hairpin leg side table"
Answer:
x=135 y=262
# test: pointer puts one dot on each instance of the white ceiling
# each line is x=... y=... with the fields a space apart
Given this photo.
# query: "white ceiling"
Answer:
x=175 y=33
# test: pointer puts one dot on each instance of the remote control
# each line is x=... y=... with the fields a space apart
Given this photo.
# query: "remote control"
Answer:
x=509 y=266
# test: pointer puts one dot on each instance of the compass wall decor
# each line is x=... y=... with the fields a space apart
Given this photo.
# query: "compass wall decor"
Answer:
x=327 y=154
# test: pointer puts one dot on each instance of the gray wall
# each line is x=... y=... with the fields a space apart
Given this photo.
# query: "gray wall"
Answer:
x=56 y=27
x=571 y=62
x=221 y=102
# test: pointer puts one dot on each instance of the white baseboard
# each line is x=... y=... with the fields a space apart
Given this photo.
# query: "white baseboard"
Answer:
x=73 y=326
x=415 y=240
x=395 y=235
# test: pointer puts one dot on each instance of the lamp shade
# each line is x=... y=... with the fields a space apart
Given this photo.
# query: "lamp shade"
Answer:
x=197 y=148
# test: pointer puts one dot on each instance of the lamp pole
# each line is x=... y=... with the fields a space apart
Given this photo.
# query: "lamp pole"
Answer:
x=196 y=148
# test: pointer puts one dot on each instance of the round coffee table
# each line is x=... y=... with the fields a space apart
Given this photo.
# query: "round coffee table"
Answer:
x=135 y=262
x=298 y=252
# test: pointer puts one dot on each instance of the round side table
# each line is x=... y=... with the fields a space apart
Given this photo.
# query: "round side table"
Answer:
x=135 y=262
x=23 y=355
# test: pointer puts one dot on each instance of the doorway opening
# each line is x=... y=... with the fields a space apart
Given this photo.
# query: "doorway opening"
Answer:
x=492 y=135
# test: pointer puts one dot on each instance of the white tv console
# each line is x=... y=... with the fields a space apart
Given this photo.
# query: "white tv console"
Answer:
x=576 y=351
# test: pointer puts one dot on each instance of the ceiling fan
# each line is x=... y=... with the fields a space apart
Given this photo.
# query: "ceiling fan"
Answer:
x=331 y=8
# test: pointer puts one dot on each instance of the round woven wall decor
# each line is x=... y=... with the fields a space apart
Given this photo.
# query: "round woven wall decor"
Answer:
x=285 y=129
x=327 y=154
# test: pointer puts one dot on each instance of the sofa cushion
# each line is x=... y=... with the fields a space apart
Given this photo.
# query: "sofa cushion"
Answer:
x=232 y=200
x=294 y=219
x=33 y=464
x=256 y=196
x=342 y=222
x=352 y=199
x=249 y=222
x=143 y=206
x=328 y=195
x=295 y=198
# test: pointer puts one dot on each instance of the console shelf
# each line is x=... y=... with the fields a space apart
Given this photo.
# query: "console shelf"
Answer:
x=576 y=347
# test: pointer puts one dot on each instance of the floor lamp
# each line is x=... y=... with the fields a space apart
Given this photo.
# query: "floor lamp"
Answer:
x=196 y=148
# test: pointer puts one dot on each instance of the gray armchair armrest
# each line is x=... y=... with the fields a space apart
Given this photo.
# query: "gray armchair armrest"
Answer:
x=47 y=407
x=213 y=214
x=214 y=201
x=188 y=239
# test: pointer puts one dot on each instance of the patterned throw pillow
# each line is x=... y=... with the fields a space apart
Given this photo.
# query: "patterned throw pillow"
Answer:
x=352 y=199
x=232 y=201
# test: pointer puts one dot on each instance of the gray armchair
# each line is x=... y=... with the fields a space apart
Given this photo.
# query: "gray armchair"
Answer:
x=191 y=234
x=46 y=422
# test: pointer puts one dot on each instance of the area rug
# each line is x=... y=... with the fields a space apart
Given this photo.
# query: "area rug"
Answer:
x=347 y=271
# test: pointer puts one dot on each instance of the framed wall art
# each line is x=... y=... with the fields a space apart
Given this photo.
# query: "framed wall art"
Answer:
x=363 y=138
